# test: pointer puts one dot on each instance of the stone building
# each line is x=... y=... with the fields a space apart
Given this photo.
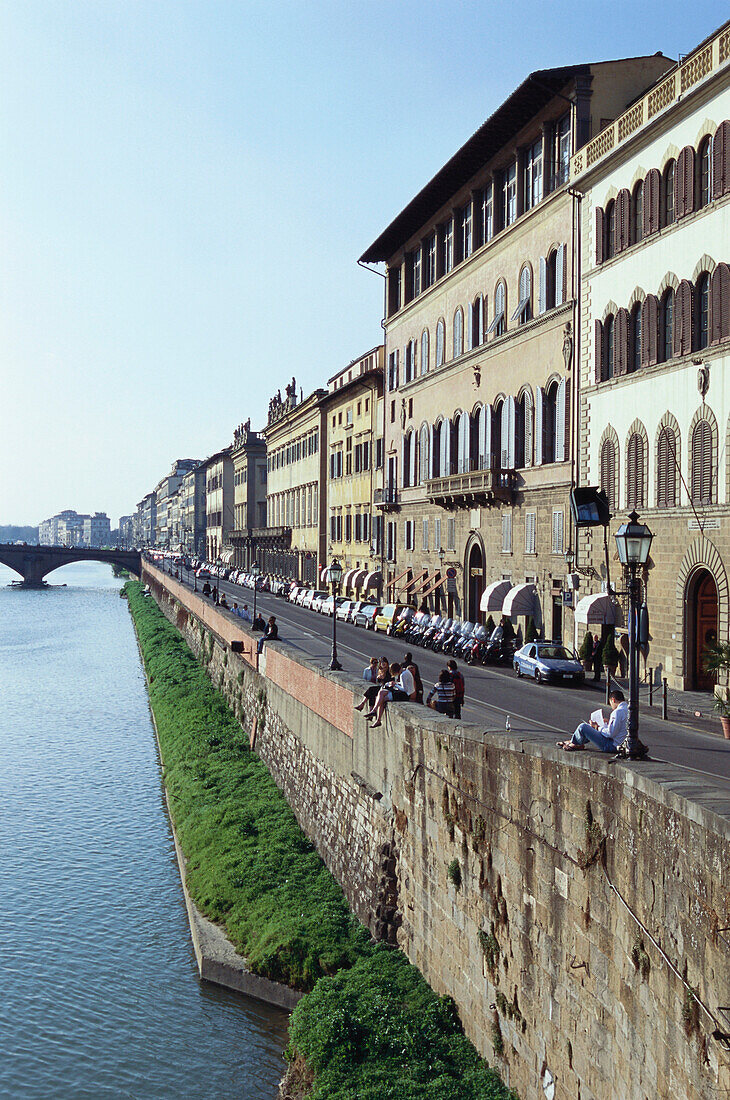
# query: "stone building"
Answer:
x=480 y=317
x=147 y=519
x=249 y=492
x=353 y=413
x=192 y=511
x=219 y=505
x=655 y=349
x=167 y=533
x=294 y=543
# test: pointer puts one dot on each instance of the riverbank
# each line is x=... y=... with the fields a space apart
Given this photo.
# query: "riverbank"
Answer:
x=370 y=1025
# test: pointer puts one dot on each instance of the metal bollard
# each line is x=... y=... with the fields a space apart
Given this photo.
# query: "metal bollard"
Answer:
x=651 y=687
x=664 y=698
x=608 y=687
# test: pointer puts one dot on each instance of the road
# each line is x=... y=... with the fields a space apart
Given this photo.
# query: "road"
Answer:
x=495 y=697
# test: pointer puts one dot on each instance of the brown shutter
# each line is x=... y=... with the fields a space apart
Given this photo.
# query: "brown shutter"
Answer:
x=685 y=178
x=652 y=192
x=702 y=463
x=720 y=304
x=600 y=234
x=598 y=341
x=608 y=471
x=621 y=343
x=721 y=160
x=662 y=470
x=631 y=473
x=649 y=330
x=683 y=300
x=623 y=220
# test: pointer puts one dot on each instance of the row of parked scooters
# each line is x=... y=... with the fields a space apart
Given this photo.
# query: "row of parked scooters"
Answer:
x=471 y=642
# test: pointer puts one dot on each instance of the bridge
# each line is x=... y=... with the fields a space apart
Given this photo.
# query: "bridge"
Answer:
x=33 y=563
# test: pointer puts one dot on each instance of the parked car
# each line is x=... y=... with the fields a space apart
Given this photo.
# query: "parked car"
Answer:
x=327 y=606
x=203 y=574
x=387 y=616
x=302 y=594
x=358 y=605
x=366 y=616
x=344 y=607
x=294 y=591
x=548 y=662
x=315 y=599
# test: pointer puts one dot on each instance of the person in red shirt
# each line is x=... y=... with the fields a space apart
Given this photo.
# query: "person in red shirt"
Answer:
x=459 y=687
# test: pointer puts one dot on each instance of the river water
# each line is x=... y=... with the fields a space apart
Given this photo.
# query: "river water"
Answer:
x=100 y=995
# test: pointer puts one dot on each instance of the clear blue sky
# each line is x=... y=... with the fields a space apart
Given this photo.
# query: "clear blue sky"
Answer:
x=185 y=188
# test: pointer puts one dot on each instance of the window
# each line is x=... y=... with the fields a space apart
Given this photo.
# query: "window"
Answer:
x=637 y=213
x=390 y=541
x=561 y=153
x=424 y=535
x=551 y=280
x=359 y=408
x=393 y=370
x=379 y=453
x=704 y=173
x=609 y=244
x=666 y=327
x=394 y=280
x=476 y=328
x=348 y=419
x=429 y=265
x=450 y=534
x=392 y=412
x=667 y=203
x=466 y=232
x=523 y=313
x=530 y=524
x=702 y=463
x=440 y=342
x=449 y=246
x=609 y=329
x=348 y=528
x=702 y=312
x=635 y=338
x=424 y=351
x=416 y=273
x=488 y=212
x=720 y=308
x=408 y=534
x=533 y=175
x=506 y=532
x=635 y=473
x=437 y=533
x=410 y=361
x=558 y=525
x=423 y=456
x=608 y=472
x=509 y=195
x=523 y=431
x=458 y=333
x=549 y=423
x=498 y=325
x=666 y=480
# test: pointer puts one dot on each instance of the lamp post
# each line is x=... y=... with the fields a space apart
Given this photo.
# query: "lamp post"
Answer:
x=255 y=573
x=633 y=542
x=334 y=576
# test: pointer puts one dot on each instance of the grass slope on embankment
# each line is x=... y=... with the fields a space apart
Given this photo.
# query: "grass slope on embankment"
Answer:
x=374 y=1030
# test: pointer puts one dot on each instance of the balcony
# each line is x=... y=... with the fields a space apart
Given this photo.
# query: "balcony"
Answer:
x=473 y=488
x=387 y=498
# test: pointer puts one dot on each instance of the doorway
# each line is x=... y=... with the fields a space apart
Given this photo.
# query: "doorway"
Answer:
x=702 y=615
x=475 y=583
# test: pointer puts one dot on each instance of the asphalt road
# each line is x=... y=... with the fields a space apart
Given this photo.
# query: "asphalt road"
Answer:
x=495 y=697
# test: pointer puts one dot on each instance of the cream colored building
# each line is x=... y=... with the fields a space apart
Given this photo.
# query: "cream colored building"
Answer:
x=294 y=543
x=249 y=492
x=655 y=349
x=219 y=506
x=353 y=414
x=481 y=313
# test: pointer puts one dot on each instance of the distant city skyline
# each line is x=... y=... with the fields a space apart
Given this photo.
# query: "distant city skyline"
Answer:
x=186 y=190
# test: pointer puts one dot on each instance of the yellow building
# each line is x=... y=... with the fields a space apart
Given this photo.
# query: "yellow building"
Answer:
x=353 y=414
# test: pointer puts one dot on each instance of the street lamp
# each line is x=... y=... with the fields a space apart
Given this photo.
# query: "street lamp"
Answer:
x=633 y=542
x=334 y=576
x=255 y=570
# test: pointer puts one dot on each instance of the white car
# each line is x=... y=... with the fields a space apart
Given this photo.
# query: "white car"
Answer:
x=318 y=597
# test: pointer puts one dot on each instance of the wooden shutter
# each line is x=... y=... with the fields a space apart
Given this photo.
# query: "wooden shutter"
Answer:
x=652 y=191
x=488 y=435
x=635 y=472
x=560 y=275
x=542 y=291
x=508 y=442
x=598 y=349
x=649 y=330
x=528 y=427
x=600 y=234
x=702 y=463
x=666 y=469
x=608 y=471
x=720 y=304
x=414 y=449
x=685 y=182
x=621 y=343
x=445 y=457
x=683 y=309
x=623 y=219
x=560 y=422
x=721 y=160
x=539 y=418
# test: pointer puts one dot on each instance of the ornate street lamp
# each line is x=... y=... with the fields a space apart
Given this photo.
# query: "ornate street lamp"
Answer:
x=334 y=576
x=633 y=542
x=255 y=570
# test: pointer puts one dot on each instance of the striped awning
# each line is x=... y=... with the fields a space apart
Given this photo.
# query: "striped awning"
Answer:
x=493 y=596
x=347 y=578
x=522 y=600
x=359 y=577
x=372 y=580
x=227 y=556
x=600 y=608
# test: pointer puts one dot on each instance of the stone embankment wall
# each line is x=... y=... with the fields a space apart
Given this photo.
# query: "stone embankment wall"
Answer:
x=576 y=911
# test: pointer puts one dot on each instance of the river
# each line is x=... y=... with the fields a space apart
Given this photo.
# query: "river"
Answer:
x=100 y=994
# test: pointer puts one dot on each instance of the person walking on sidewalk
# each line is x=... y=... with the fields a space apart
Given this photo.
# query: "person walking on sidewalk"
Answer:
x=459 y=687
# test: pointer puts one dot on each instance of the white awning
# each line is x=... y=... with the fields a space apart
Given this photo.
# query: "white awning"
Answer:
x=493 y=596
x=372 y=580
x=227 y=555
x=347 y=579
x=600 y=608
x=322 y=577
x=359 y=577
x=522 y=600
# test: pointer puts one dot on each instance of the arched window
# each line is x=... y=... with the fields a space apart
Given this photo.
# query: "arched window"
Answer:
x=635 y=472
x=497 y=435
x=499 y=323
x=440 y=342
x=635 y=338
x=462 y=443
x=523 y=311
x=720 y=304
x=549 y=425
x=523 y=431
x=458 y=343
x=609 y=247
x=440 y=437
x=609 y=336
x=407 y=453
x=551 y=280
x=667 y=204
x=637 y=213
x=481 y=438
x=666 y=479
x=702 y=488
x=704 y=173
x=477 y=328
x=608 y=472
x=424 y=352
x=702 y=312
x=423 y=455
x=666 y=327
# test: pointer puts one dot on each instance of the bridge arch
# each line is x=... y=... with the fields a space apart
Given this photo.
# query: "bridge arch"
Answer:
x=34 y=563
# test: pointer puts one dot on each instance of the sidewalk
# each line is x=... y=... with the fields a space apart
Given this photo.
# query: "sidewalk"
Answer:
x=697 y=706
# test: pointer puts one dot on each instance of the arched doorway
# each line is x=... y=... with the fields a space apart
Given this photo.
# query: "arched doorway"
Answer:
x=474 y=581
x=702 y=623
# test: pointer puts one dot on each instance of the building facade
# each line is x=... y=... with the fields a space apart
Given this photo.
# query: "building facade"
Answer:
x=167 y=534
x=218 y=505
x=147 y=519
x=354 y=434
x=249 y=492
x=480 y=320
x=294 y=543
x=192 y=511
x=655 y=346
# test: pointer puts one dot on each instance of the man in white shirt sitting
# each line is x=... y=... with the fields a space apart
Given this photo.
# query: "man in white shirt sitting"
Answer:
x=402 y=688
x=607 y=737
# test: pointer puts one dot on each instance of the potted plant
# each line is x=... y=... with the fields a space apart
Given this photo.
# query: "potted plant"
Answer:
x=609 y=655
x=717 y=659
x=585 y=653
x=530 y=631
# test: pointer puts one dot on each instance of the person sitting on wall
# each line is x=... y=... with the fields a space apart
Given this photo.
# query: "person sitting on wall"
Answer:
x=270 y=634
x=382 y=675
x=441 y=695
x=245 y=613
x=400 y=689
x=206 y=589
x=223 y=602
x=412 y=667
x=607 y=737
x=370 y=673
